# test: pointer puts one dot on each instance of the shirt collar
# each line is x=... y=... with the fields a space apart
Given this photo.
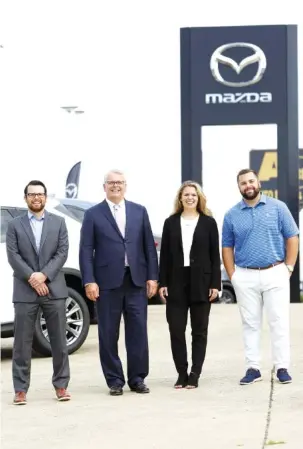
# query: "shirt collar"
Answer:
x=31 y=215
x=244 y=205
x=112 y=205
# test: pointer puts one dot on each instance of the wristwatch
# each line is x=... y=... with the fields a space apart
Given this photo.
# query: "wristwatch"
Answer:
x=290 y=268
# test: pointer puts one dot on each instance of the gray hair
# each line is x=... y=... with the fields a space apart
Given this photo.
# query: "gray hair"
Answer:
x=117 y=172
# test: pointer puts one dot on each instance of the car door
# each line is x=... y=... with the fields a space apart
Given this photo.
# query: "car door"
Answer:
x=6 y=305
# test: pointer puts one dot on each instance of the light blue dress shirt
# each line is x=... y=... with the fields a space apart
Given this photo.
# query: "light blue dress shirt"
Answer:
x=37 y=227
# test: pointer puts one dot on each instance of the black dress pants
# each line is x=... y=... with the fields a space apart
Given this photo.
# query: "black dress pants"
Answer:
x=177 y=315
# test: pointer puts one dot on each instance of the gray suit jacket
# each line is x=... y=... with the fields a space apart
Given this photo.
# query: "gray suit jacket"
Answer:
x=24 y=258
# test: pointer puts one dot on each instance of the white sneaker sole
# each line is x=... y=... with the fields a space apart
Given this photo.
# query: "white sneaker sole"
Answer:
x=249 y=383
x=64 y=399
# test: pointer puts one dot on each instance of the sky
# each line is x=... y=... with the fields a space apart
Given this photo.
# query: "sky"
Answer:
x=119 y=62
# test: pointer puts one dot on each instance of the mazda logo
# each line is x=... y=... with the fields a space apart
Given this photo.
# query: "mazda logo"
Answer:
x=71 y=190
x=257 y=56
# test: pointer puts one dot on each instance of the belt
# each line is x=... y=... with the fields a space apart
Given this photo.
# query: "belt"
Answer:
x=265 y=268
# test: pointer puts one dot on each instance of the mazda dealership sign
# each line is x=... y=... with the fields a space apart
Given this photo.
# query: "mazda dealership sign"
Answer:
x=256 y=56
x=244 y=97
x=242 y=75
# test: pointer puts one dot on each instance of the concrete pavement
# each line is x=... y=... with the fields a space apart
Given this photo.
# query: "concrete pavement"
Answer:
x=219 y=414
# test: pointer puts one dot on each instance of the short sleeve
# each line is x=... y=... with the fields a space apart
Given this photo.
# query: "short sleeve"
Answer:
x=228 y=239
x=287 y=223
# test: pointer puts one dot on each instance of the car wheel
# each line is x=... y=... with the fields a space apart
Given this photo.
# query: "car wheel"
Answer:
x=77 y=325
x=228 y=297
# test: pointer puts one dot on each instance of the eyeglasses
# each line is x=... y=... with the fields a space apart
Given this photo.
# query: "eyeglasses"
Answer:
x=33 y=195
x=112 y=183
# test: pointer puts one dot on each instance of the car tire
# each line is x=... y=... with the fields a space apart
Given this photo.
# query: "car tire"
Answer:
x=81 y=315
x=228 y=296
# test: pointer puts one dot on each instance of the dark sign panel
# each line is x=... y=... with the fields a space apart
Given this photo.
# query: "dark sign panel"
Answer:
x=242 y=75
x=265 y=163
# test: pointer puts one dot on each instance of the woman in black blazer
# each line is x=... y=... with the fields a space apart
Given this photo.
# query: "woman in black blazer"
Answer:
x=190 y=277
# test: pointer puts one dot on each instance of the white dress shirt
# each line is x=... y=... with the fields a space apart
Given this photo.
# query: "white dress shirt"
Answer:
x=188 y=227
x=119 y=214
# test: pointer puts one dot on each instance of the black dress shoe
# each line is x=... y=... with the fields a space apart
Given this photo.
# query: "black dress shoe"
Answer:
x=116 y=390
x=181 y=381
x=140 y=388
x=193 y=381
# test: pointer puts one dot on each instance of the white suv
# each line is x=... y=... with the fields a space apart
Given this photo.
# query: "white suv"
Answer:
x=80 y=311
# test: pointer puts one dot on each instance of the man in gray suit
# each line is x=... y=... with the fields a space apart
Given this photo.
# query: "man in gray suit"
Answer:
x=37 y=248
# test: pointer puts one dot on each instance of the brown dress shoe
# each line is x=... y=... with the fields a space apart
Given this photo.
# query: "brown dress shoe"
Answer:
x=62 y=394
x=20 y=398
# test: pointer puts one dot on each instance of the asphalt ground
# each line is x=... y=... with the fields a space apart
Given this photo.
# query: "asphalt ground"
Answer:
x=219 y=414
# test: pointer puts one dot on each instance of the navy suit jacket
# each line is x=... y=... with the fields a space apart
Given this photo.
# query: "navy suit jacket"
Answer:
x=102 y=247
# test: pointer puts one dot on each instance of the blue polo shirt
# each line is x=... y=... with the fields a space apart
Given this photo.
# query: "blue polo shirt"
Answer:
x=258 y=233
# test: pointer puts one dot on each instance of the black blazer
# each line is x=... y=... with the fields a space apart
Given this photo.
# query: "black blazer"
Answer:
x=205 y=259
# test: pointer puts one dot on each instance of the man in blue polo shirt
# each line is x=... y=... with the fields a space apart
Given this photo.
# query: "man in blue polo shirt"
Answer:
x=259 y=249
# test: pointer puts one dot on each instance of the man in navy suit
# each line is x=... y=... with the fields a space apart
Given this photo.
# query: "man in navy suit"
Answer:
x=119 y=267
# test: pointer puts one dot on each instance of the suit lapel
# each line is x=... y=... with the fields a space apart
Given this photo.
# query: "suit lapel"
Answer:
x=108 y=214
x=127 y=217
x=197 y=228
x=46 y=223
x=177 y=226
x=28 y=229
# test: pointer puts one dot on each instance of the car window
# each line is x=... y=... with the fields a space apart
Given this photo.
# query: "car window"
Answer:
x=77 y=212
x=64 y=210
x=17 y=211
x=6 y=217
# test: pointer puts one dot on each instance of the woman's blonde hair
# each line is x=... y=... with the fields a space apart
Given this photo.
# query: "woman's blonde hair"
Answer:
x=201 y=206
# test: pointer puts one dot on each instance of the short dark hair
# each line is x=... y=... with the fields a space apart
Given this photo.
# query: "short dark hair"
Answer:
x=244 y=171
x=35 y=183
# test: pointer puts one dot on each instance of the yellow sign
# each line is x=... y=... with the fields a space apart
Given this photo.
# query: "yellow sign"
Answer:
x=265 y=163
x=269 y=166
x=272 y=193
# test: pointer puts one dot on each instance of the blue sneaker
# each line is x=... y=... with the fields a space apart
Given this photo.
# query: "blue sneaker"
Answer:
x=283 y=376
x=252 y=375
